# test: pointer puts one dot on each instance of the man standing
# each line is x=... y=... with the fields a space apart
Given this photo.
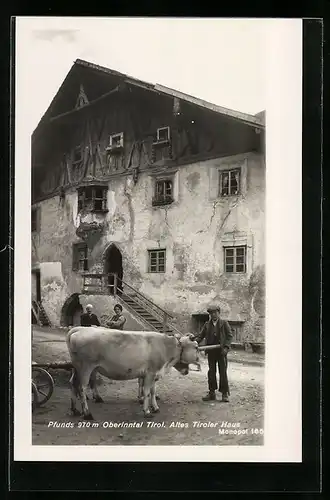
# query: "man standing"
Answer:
x=217 y=331
x=118 y=320
x=89 y=318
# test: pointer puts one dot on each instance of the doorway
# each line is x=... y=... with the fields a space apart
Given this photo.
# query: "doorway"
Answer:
x=36 y=286
x=198 y=321
x=237 y=330
x=71 y=311
x=113 y=264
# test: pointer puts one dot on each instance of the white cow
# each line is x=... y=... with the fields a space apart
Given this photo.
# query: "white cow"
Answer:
x=125 y=355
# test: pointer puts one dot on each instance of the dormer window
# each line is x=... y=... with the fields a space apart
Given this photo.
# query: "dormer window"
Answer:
x=162 y=145
x=163 y=135
x=92 y=199
x=116 y=142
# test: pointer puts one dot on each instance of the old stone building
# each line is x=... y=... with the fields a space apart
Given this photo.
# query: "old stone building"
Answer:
x=149 y=197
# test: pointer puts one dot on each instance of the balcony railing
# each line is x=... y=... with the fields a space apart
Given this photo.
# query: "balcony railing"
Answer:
x=96 y=283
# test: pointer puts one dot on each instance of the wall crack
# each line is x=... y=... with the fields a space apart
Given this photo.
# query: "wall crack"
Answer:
x=166 y=218
x=128 y=195
x=235 y=204
x=214 y=206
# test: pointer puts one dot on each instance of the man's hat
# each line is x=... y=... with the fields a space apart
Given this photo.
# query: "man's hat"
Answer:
x=213 y=307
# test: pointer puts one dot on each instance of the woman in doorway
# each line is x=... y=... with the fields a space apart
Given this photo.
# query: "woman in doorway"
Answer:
x=118 y=320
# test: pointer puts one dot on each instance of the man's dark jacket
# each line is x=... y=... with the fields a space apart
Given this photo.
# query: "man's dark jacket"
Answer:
x=222 y=331
x=89 y=320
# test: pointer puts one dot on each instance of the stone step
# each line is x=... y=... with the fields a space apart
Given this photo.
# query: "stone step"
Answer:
x=145 y=314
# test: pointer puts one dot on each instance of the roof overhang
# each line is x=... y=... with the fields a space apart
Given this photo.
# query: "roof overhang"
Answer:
x=255 y=121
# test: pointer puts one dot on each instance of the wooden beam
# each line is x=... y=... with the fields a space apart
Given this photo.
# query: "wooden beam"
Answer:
x=74 y=111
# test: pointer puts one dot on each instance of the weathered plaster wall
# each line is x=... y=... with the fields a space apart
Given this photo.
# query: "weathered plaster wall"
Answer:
x=193 y=230
x=53 y=289
x=53 y=250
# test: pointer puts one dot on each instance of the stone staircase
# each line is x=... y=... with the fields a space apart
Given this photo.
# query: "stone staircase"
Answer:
x=40 y=314
x=136 y=306
x=154 y=317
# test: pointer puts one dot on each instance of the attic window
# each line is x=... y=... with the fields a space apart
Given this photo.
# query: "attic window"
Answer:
x=92 y=199
x=163 y=134
x=116 y=142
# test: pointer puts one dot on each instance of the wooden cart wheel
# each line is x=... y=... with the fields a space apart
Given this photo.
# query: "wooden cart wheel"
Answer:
x=35 y=396
x=44 y=383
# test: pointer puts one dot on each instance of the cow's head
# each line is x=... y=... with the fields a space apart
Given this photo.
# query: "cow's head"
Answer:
x=189 y=351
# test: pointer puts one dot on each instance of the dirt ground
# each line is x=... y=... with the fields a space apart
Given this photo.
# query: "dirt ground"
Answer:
x=184 y=419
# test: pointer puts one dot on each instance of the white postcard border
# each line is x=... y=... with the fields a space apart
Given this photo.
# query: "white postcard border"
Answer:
x=283 y=423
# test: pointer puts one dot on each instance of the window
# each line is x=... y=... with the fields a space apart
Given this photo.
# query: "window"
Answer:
x=235 y=259
x=80 y=257
x=237 y=330
x=157 y=261
x=92 y=198
x=116 y=141
x=163 y=192
x=163 y=134
x=35 y=220
x=230 y=182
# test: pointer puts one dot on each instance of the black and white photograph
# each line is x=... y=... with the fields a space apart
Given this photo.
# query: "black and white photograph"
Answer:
x=150 y=236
